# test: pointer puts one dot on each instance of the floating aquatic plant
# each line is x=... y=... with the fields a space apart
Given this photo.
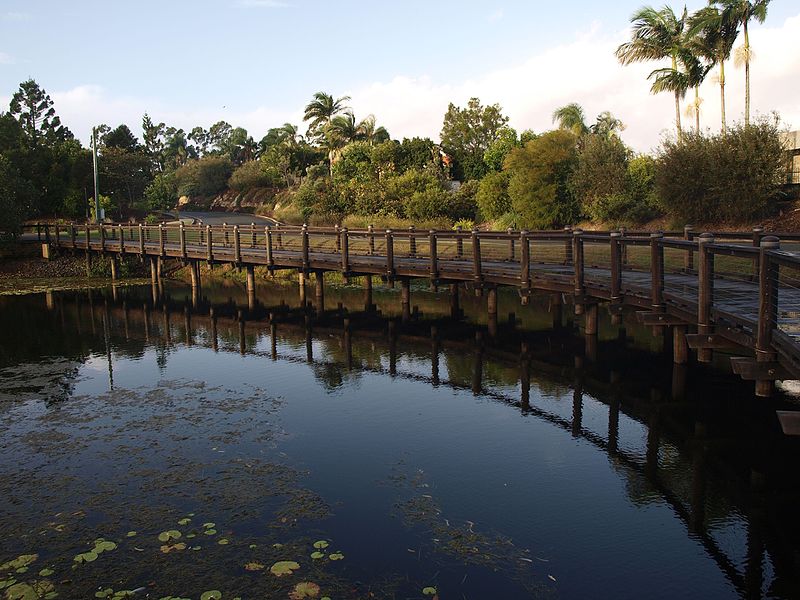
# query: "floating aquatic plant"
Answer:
x=284 y=567
x=167 y=548
x=321 y=545
x=211 y=595
x=317 y=555
x=184 y=521
x=172 y=534
x=35 y=590
x=23 y=560
x=336 y=556
x=429 y=591
x=305 y=589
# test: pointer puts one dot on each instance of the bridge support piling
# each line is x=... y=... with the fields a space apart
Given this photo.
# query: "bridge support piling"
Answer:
x=319 y=291
x=301 y=279
x=491 y=305
x=405 y=297
x=194 y=270
x=591 y=316
x=112 y=259
x=680 y=349
x=251 y=288
x=455 y=310
x=88 y=263
x=556 y=311
x=368 y=305
x=767 y=310
x=705 y=293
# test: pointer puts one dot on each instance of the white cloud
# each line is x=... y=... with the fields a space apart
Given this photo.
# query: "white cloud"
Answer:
x=586 y=71
x=16 y=16
x=582 y=70
x=6 y=59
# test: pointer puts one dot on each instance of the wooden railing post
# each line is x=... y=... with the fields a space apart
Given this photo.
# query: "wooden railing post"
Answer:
x=624 y=247
x=389 y=255
x=102 y=237
x=524 y=265
x=657 y=271
x=279 y=239
x=758 y=233
x=252 y=235
x=304 y=240
x=182 y=238
x=72 y=234
x=688 y=261
x=141 y=239
x=344 y=248
x=237 y=245
x=268 y=242
x=161 y=250
x=88 y=236
x=577 y=259
x=459 y=243
x=371 y=240
x=121 y=239
x=225 y=240
x=768 y=282
x=412 y=242
x=477 y=267
x=511 y=251
x=337 y=231
x=47 y=233
x=38 y=232
x=209 y=245
x=568 y=246
x=616 y=267
x=58 y=236
x=705 y=293
x=434 y=256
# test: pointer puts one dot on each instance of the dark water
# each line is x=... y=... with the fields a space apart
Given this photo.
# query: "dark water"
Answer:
x=426 y=453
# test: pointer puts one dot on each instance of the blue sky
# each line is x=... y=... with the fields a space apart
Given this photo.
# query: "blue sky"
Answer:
x=256 y=62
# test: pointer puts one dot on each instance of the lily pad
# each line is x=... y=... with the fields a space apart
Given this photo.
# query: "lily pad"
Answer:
x=172 y=534
x=429 y=591
x=210 y=532
x=223 y=541
x=305 y=589
x=46 y=572
x=317 y=555
x=284 y=567
x=336 y=556
x=104 y=546
x=86 y=557
x=254 y=566
x=211 y=595
x=131 y=534
x=184 y=521
x=321 y=545
x=23 y=560
x=209 y=525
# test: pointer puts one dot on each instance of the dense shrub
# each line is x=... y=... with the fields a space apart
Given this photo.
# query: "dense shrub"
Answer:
x=253 y=174
x=731 y=177
x=601 y=171
x=492 y=197
x=462 y=203
x=162 y=193
x=205 y=177
x=541 y=197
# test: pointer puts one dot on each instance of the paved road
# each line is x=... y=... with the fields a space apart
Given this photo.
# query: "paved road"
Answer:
x=218 y=218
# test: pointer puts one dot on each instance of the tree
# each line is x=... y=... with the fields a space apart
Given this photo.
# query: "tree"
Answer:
x=600 y=171
x=371 y=132
x=468 y=132
x=607 y=125
x=656 y=35
x=744 y=11
x=492 y=196
x=34 y=110
x=322 y=109
x=497 y=151
x=539 y=175
x=690 y=73
x=571 y=118
x=14 y=195
x=121 y=138
x=154 y=143
x=712 y=33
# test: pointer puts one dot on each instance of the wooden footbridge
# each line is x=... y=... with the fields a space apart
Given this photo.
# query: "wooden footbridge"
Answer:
x=736 y=292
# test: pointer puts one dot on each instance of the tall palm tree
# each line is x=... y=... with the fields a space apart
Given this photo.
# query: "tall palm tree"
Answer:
x=345 y=128
x=370 y=132
x=712 y=33
x=607 y=124
x=656 y=35
x=571 y=117
x=321 y=110
x=742 y=12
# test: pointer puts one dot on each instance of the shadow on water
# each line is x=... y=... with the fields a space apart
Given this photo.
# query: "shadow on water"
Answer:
x=431 y=447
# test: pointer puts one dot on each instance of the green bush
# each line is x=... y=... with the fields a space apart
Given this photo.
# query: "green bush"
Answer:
x=600 y=171
x=731 y=177
x=492 y=196
x=637 y=202
x=253 y=174
x=205 y=177
x=162 y=193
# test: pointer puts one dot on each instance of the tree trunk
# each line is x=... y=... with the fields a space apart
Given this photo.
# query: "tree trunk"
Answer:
x=678 y=115
x=697 y=110
x=722 y=94
x=746 y=76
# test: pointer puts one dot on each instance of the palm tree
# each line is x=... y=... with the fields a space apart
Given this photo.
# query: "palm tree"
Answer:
x=712 y=33
x=321 y=110
x=607 y=124
x=571 y=118
x=370 y=133
x=742 y=12
x=656 y=35
x=690 y=73
x=345 y=128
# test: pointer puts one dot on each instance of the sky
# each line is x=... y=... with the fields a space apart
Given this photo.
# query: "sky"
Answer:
x=256 y=63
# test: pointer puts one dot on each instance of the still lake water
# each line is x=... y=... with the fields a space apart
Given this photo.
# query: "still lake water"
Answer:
x=422 y=457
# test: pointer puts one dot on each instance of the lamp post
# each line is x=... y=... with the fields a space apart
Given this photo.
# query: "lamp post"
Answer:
x=96 y=187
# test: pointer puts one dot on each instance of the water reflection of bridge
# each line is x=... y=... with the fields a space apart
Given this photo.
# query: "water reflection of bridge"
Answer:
x=734 y=464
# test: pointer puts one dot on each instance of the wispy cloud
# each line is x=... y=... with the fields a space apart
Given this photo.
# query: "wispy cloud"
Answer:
x=263 y=3
x=6 y=59
x=16 y=16
x=496 y=16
